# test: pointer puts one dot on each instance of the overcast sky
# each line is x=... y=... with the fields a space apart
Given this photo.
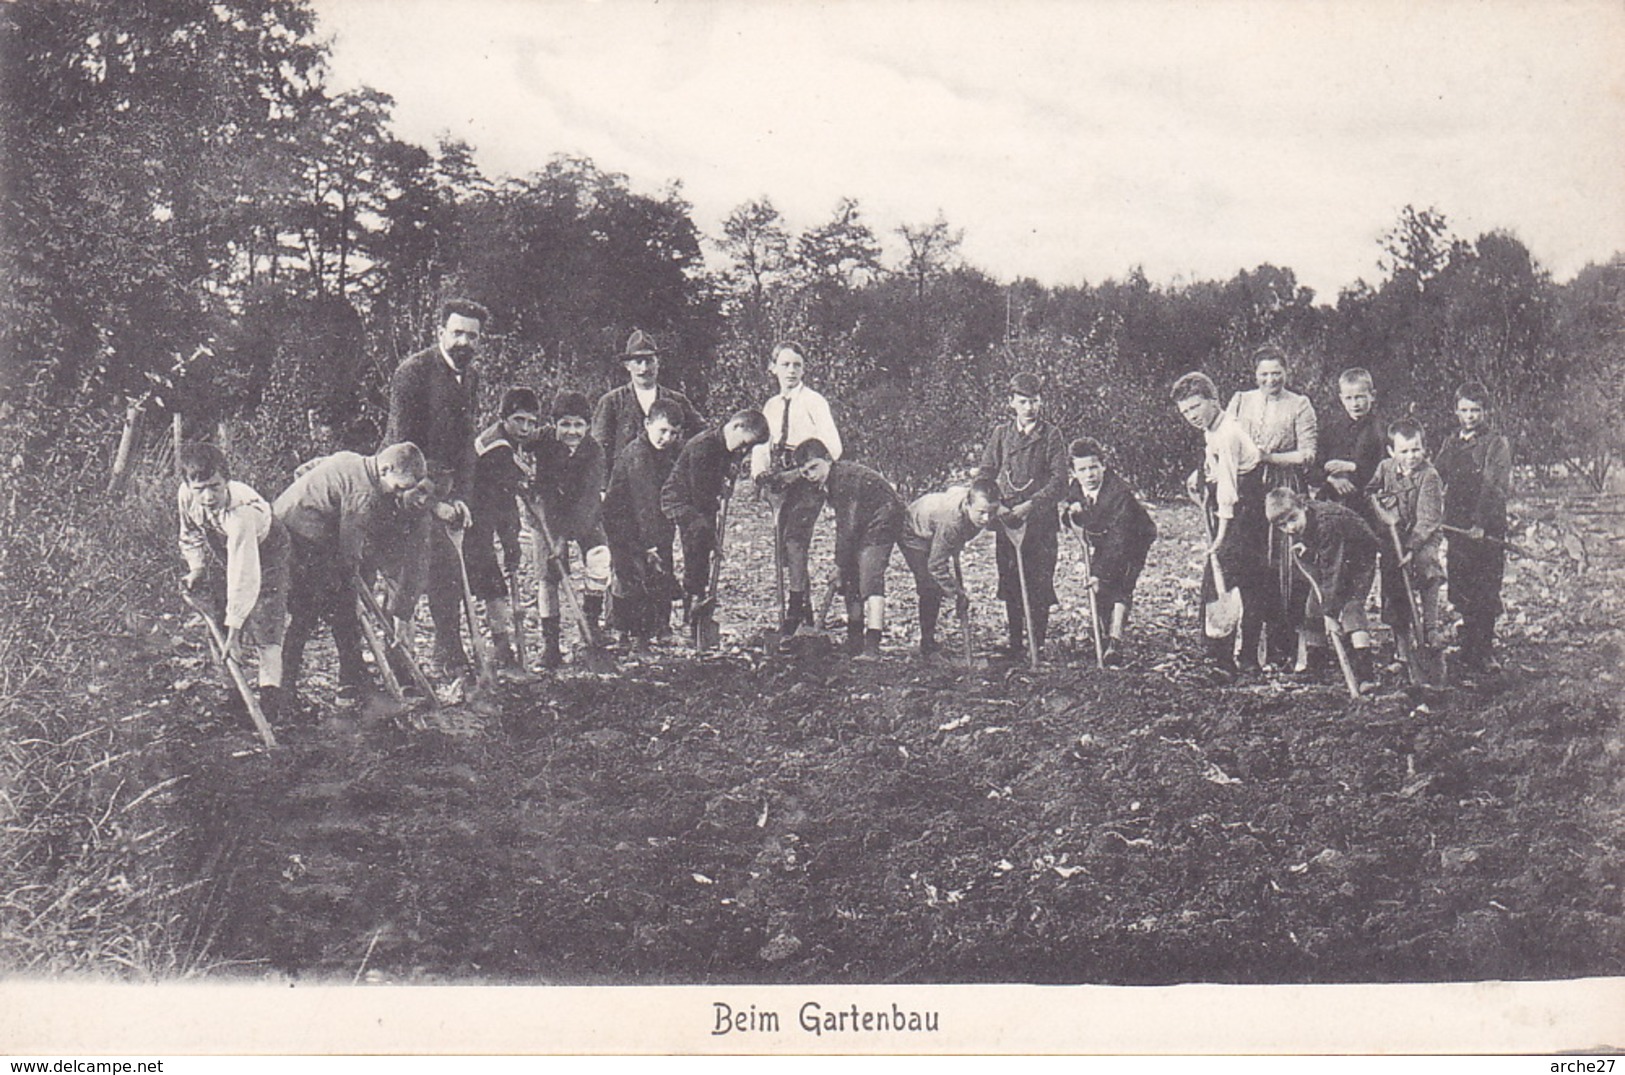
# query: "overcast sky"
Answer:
x=1070 y=140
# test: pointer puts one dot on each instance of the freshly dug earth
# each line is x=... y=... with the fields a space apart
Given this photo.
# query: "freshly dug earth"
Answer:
x=752 y=817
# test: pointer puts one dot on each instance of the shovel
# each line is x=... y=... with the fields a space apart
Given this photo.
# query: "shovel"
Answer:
x=1422 y=662
x=521 y=649
x=963 y=612
x=1222 y=615
x=223 y=657
x=707 y=635
x=1336 y=634
x=380 y=655
x=1094 y=610
x=815 y=635
x=592 y=654
x=384 y=639
x=484 y=676
x=1018 y=535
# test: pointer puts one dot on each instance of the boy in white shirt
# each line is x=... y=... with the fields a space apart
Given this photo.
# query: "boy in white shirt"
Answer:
x=795 y=415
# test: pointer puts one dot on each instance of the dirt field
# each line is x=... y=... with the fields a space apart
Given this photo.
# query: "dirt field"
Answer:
x=759 y=818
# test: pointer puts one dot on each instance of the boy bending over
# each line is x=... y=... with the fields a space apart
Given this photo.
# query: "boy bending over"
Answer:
x=935 y=528
x=1340 y=553
x=1107 y=514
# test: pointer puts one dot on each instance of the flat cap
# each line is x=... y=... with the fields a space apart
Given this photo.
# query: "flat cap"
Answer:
x=1026 y=384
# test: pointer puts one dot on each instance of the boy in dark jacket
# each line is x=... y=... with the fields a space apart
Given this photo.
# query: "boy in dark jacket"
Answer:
x=868 y=518
x=693 y=493
x=568 y=490
x=1107 y=514
x=1351 y=443
x=501 y=473
x=1339 y=551
x=1476 y=466
x=640 y=537
x=1027 y=457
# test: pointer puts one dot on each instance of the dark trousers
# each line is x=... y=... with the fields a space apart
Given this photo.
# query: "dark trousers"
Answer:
x=320 y=592
x=1039 y=550
x=1244 y=559
x=798 y=516
x=443 y=584
x=699 y=543
x=1474 y=570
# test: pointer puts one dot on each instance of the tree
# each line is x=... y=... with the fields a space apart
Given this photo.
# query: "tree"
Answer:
x=930 y=249
x=840 y=253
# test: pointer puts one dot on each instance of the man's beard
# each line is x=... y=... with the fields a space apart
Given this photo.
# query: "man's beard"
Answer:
x=460 y=354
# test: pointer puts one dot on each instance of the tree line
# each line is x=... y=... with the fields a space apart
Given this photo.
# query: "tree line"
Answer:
x=195 y=224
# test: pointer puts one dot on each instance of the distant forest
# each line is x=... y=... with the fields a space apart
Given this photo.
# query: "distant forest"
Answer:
x=195 y=225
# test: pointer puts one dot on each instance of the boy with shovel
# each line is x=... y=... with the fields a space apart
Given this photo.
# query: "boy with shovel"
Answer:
x=868 y=516
x=1476 y=465
x=333 y=512
x=227 y=524
x=1407 y=498
x=568 y=487
x=1229 y=486
x=1337 y=553
x=640 y=537
x=1114 y=533
x=935 y=528
x=501 y=473
x=700 y=480
x=1026 y=456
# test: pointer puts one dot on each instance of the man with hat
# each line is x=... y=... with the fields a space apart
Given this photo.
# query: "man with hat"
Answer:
x=1027 y=457
x=621 y=412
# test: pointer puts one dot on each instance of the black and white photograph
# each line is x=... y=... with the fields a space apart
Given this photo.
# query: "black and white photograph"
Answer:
x=811 y=514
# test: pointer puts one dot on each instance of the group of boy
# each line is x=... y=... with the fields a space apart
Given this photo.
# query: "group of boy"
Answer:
x=622 y=483
x=1378 y=500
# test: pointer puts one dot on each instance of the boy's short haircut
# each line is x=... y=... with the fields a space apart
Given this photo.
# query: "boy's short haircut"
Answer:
x=463 y=308
x=1406 y=427
x=1356 y=375
x=405 y=459
x=1084 y=448
x=787 y=345
x=1195 y=383
x=198 y=461
x=664 y=408
x=1474 y=391
x=1279 y=502
x=754 y=423
x=987 y=489
x=520 y=400
x=811 y=448
x=571 y=404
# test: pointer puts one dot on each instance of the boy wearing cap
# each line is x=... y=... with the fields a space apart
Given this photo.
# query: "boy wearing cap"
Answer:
x=1106 y=513
x=693 y=493
x=501 y=473
x=868 y=518
x=935 y=527
x=794 y=415
x=569 y=485
x=1026 y=457
x=640 y=537
x=1476 y=465
x=622 y=412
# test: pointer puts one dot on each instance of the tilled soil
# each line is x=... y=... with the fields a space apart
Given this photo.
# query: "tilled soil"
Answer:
x=756 y=817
